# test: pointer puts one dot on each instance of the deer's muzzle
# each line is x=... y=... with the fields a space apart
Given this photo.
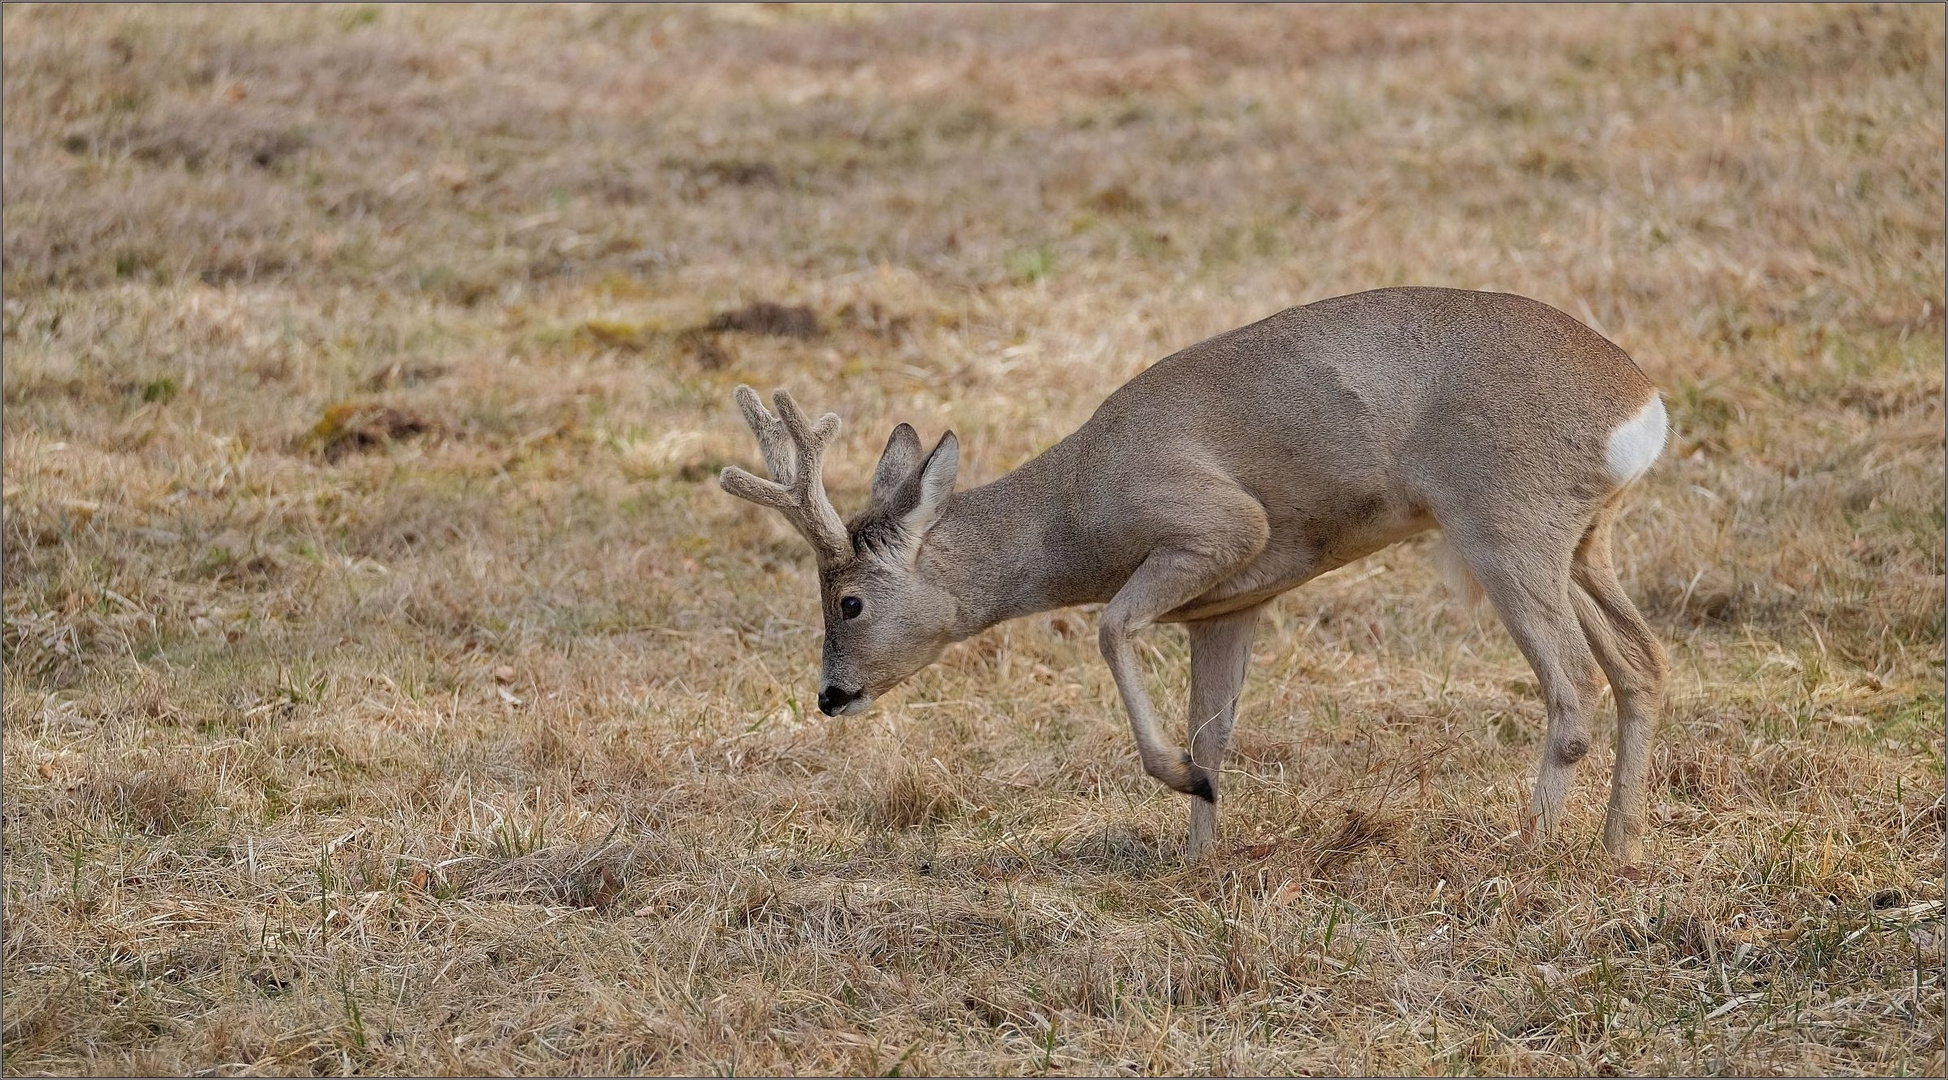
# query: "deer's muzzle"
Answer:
x=832 y=700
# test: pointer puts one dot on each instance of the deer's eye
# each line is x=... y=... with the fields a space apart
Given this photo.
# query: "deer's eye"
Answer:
x=850 y=607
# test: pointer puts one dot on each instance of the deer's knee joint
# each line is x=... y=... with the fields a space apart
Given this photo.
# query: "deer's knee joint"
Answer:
x=1645 y=666
x=1114 y=634
x=1658 y=667
x=1572 y=749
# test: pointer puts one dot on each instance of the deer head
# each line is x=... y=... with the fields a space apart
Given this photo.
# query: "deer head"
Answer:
x=884 y=617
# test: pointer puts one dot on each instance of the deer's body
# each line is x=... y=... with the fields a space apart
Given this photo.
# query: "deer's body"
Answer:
x=1247 y=464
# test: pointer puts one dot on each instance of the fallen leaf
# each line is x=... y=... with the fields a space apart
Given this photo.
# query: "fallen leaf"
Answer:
x=503 y=674
x=1288 y=893
x=47 y=770
x=509 y=696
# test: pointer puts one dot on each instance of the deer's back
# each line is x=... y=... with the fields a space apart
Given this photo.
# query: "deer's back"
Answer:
x=1366 y=405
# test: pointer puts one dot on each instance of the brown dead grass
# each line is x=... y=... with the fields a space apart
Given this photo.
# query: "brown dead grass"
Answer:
x=389 y=688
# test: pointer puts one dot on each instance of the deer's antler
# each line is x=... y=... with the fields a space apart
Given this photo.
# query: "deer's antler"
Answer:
x=794 y=450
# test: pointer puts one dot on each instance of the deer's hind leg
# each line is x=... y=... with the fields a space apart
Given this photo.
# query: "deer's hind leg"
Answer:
x=1220 y=650
x=1525 y=570
x=1635 y=664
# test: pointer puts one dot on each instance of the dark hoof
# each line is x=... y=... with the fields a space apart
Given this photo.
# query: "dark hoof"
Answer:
x=1186 y=777
x=1200 y=785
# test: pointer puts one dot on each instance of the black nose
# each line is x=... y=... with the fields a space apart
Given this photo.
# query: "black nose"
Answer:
x=832 y=699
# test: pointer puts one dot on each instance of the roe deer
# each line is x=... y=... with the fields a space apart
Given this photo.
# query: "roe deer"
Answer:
x=1246 y=465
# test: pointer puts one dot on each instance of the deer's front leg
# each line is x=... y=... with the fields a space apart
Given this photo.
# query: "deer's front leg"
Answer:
x=1170 y=578
x=1220 y=650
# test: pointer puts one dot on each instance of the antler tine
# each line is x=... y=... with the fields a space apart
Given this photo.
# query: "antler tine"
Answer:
x=809 y=484
x=810 y=439
x=770 y=432
x=793 y=451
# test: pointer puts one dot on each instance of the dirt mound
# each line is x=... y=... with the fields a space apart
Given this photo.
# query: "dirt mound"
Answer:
x=764 y=317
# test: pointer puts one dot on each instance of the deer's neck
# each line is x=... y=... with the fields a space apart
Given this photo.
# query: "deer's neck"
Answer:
x=1014 y=547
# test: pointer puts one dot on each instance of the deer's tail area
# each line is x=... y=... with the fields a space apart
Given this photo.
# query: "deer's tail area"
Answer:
x=1633 y=446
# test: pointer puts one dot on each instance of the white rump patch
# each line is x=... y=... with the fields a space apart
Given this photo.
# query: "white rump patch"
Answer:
x=1636 y=442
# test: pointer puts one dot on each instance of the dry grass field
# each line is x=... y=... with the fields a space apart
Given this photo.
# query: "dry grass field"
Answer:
x=389 y=687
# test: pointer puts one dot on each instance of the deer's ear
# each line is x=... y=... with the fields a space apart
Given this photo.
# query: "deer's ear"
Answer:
x=896 y=463
x=935 y=483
